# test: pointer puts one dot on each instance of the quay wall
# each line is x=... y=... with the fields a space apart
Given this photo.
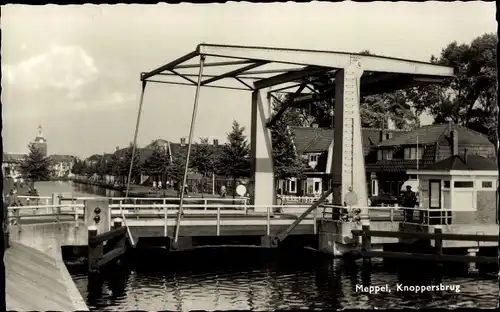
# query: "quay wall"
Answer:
x=36 y=276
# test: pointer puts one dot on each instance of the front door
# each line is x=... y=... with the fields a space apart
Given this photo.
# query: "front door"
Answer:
x=434 y=217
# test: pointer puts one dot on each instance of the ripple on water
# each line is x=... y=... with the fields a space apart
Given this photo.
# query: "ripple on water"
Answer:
x=328 y=285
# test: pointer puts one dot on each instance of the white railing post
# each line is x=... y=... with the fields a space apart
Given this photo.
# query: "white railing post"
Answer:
x=245 y=206
x=165 y=216
x=205 y=204
x=268 y=227
x=218 y=221
x=315 y=218
x=391 y=213
x=76 y=212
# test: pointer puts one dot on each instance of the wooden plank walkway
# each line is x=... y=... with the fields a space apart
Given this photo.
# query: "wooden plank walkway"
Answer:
x=36 y=281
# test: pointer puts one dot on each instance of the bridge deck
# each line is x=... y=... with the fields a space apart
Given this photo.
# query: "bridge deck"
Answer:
x=38 y=282
x=228 y=227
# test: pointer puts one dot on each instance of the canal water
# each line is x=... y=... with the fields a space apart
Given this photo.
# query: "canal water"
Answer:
x=259 y=280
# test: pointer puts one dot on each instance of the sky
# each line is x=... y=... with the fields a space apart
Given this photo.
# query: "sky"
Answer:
x=75 y=69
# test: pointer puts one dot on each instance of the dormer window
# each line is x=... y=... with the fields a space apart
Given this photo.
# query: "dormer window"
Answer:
x=313 y=158
x=412 y=153
x=384 y=155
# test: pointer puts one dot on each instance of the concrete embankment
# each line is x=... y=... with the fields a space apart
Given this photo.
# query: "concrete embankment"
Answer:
x=36 y=277
x=37 y=281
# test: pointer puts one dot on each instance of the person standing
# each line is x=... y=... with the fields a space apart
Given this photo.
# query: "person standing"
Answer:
x=154 y=185
x=409 y=202
x=159 y=185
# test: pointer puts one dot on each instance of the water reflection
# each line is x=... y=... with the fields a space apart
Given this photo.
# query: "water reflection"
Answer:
x=276 y=283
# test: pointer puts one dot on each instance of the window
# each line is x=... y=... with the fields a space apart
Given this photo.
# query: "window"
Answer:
x=414 y=153
x=435 y=194
x=379 y=155
x=313 y=158
x=316 y=186
x=292 y=186
x=387 y=155
x=486 y=184
x=463 y=184
x=446 y=184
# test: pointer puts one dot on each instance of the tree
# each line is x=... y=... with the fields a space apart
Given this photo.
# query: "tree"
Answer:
x=469 y=97
x=36 y=166
x=203 y=161
x=234 y=160
x=157 y=163
x=176 y=169
x=375 y=110
x=287 y=163
x=77 y=168
x=101 y=168
x=114 y=167
x=125 y=160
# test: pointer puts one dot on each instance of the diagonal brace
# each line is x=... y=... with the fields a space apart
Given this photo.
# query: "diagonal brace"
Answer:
x=233 y=72
x=281 y=236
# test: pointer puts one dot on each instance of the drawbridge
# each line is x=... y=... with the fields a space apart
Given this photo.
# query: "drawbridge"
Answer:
x=265 y=71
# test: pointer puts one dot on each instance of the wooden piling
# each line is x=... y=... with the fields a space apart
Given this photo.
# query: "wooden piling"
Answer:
x=117 y=223
x=438 y=244
x=366 y=244
x=95 y=251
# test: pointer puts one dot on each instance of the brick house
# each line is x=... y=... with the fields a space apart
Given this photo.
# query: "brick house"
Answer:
x=412 y=150
x=389 y=154
x=61 y=165
x=315 y=145
x=10 y=164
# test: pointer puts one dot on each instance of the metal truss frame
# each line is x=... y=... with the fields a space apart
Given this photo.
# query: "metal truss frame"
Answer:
x=380 y=74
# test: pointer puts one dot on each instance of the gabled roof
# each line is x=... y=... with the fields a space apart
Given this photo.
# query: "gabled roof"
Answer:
x=432 y=133
x=62 y=158
x=7 y=157
x=397 y=165
x=461 y=162
x=95 y=157
x=317 y=140
x=177 y=147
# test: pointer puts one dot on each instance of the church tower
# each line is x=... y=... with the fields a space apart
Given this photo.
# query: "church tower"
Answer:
x=40 y=142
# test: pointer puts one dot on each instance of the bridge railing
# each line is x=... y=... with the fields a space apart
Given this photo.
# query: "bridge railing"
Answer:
x=48 y=213
x=47 y=200
x=407 y=215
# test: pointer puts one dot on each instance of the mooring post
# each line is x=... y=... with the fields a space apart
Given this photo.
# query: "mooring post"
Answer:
x=95 y=251
x=117 y=223
x=366 y=244
x=438 y=244
x=472 y=252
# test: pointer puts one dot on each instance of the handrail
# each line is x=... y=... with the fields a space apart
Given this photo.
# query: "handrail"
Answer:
x=206 y=199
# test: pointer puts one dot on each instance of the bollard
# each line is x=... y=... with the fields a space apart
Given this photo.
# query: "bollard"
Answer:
x=472 y=252
x=117 y=223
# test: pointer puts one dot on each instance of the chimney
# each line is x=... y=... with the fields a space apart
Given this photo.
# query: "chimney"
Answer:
x=315 y=125
x=454 y=142
x=216 y=142
x=117 y=148
x=382 y=135
x=183 y=141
